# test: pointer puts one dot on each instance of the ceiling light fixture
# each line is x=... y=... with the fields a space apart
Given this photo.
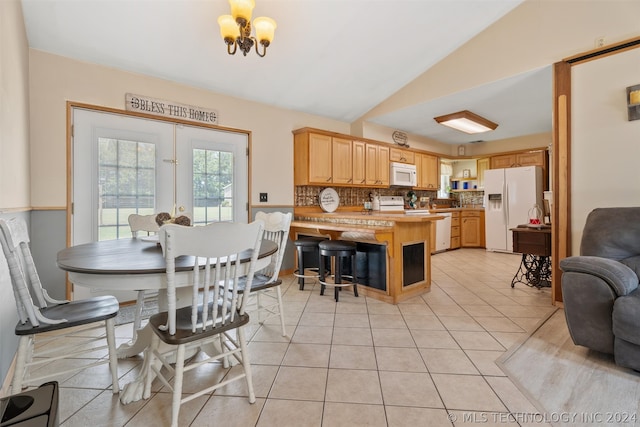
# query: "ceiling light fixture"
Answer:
x=466 y=121
x=236 y=28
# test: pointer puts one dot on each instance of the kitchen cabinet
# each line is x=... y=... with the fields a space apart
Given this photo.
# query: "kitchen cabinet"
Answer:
x=481 y=166
x=320 y=151
x=342 y=161
x=455 y=230
x=402 y=156
x=513 y=160
x=428 y=169
x=322 y=159
x=472 y=229
x=359 y=163
x=377 y=165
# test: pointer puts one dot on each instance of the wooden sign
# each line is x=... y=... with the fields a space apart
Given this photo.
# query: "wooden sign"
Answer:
x=400 y=138
x=159 y=107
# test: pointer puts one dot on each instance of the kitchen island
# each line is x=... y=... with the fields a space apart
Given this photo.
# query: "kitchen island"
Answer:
x=403 y=240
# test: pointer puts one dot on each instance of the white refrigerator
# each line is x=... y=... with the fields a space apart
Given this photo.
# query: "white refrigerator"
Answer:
x=509 y=195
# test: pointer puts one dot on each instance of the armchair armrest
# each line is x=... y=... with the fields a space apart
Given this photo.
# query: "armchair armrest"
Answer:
x=621 y=278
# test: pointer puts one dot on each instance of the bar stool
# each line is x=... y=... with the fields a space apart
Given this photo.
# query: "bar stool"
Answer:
x=306 y=245
x=340 y=249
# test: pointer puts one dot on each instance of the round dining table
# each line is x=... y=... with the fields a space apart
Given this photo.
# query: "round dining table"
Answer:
x=134 y=264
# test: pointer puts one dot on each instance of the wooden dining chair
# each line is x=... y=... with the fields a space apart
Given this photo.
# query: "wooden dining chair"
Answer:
x=266 y=293
x=38 y=314
x=148 y=225
x=215 y=313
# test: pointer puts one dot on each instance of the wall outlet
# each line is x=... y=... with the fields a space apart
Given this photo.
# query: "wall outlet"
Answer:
x=263 y=197
x=599 y=42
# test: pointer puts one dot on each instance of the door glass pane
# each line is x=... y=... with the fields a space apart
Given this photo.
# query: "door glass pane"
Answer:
x=126 y=184
x=212 y=186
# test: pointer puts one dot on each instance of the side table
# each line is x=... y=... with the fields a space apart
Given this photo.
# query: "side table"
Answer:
x=534 y=242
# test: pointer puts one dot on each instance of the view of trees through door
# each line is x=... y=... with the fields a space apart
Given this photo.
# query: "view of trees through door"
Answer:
x=125 y=165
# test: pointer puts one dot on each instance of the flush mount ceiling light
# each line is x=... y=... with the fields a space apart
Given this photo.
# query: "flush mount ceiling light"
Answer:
x=236 y=28
x=466 y=121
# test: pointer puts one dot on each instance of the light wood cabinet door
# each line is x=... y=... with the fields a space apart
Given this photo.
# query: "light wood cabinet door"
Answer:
x=455 y=230
x=472 y=229
x=383 y=166
x=481 y=166
x=377 y=165
x=535 y=158
x=359 y=163
x=503 y=161
x=342 y=161
x=402 y=156
x=470 y=232
x=320 y=159
x=428 y=171
x=514 y=160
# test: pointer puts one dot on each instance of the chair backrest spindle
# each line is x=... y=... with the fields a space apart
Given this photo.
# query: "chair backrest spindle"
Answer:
x=219 y=244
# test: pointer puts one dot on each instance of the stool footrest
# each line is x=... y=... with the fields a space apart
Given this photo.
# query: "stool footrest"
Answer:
x=315 y=274
x=350 y=281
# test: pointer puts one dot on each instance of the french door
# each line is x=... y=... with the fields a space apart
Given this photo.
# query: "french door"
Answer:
x=124 y=165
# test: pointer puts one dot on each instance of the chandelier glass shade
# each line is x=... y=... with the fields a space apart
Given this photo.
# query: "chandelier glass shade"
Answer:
x=235 y=29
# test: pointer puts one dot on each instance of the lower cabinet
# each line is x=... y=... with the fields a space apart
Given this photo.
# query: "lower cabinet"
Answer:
x=455 y=230
x=472 y=229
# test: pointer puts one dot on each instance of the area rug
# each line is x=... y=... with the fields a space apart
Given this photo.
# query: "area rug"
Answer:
x=570 y=384
x=127 y=313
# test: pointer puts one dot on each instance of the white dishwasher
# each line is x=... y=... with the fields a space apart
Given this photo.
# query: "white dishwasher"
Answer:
x=443 y=232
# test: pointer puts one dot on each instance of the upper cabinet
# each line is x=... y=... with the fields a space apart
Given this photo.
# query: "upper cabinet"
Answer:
x=359 y=163
x=428 y=171
x=319 y=149
x=481 y=166
x=514 y=160
x=524 y=158
x=377 y=165
x=342 y=161
x=323 y=159
x=402 y=156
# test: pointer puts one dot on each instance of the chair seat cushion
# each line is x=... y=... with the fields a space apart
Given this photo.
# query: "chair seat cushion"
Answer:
x=626 y=317
x=76 y=313
x=308 y=242
x=337 y=245
x=260 y=282
x=184 y=334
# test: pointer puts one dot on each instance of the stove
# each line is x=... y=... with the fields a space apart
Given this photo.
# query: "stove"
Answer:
x=391 y=203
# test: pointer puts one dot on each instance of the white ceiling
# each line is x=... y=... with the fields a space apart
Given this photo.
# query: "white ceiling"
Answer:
x=333 y=58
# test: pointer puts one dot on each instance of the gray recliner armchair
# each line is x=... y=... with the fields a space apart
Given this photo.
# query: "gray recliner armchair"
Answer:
x=600 y=287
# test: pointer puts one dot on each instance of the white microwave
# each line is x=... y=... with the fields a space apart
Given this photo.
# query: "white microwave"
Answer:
x=403 y=174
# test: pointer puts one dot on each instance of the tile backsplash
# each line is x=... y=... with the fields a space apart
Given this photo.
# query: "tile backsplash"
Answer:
x=307 y=195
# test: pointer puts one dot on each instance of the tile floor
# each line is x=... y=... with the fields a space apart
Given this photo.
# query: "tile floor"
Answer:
x=425 y=362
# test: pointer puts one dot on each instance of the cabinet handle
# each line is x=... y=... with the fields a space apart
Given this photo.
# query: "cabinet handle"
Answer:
x=329 y=179
x=350 y=180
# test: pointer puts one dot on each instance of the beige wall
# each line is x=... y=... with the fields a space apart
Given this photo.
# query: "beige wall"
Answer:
x=535 y=34
x=54 y=80
x=14 y=155
x=14 y=108
x=605 y=146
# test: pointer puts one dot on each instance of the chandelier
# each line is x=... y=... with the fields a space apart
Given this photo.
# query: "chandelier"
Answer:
x=236 y=29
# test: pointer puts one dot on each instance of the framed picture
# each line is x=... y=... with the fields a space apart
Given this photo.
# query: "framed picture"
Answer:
x=466 y=173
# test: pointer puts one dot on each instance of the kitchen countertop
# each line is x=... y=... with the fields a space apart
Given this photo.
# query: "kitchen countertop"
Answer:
x=480 y=208
x=374 y=218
